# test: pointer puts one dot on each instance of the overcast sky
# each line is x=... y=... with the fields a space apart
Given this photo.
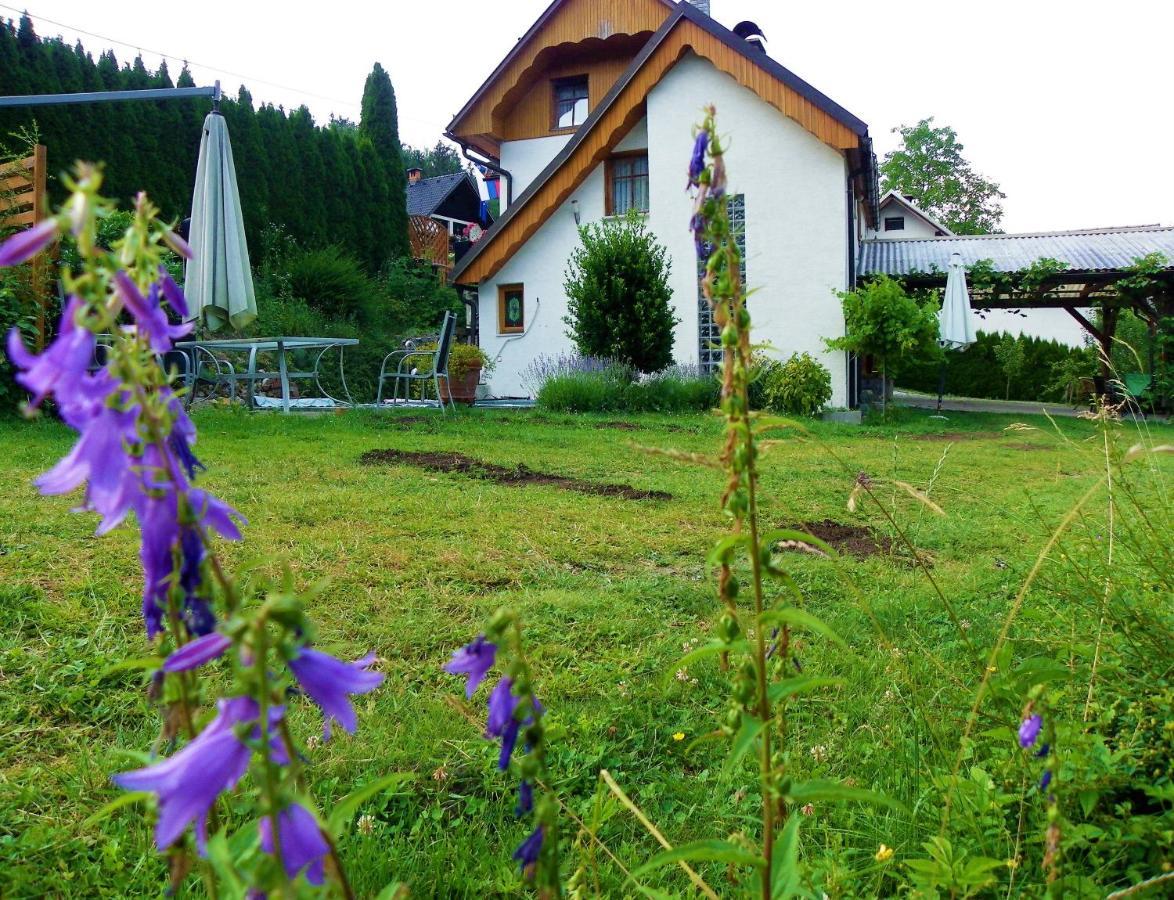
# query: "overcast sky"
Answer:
x=1067 y=104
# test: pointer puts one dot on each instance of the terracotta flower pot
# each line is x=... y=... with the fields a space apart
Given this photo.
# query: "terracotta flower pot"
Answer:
x=462 y=390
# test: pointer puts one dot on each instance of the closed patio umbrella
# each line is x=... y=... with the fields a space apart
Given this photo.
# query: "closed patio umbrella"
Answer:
x=219 y=282
x=955 y=322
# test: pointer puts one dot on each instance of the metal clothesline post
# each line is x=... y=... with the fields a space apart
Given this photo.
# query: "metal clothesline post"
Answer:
x=110 y=96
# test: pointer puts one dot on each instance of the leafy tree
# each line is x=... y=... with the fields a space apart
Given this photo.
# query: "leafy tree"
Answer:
x=1012 y=358
x=884 y=322
x=442 y=159
x=618 y=295
x=379 y=123
x=930 y=168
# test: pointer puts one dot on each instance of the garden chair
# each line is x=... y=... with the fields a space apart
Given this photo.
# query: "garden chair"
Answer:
x=411 y=367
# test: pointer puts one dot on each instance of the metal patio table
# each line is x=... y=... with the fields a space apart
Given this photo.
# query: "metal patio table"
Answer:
x=214 y=350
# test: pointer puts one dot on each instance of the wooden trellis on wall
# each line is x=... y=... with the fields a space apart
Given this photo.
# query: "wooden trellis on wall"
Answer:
x=22 y=203
x=428 y=240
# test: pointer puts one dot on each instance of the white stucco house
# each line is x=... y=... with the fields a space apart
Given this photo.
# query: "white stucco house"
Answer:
x=592 y=113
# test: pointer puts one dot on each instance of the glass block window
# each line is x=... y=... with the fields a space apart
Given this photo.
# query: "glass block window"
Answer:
x=709 y=354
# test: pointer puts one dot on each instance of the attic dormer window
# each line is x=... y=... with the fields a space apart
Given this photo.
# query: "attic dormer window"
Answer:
x=894 y=223
x=570 y=101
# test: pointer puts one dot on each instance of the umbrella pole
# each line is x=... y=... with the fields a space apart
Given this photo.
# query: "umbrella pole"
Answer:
x=941 y=383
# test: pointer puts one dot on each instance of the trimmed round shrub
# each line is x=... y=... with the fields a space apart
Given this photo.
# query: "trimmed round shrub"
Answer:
x=801 y=386
x=618 y=295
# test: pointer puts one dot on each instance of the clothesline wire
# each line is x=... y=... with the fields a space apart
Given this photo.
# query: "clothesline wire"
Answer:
x=186 y=61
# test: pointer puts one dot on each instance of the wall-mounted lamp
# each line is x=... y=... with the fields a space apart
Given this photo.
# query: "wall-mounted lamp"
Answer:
x=575 y=210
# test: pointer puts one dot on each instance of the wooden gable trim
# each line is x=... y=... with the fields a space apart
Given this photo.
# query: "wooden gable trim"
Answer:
x=563 y=22
x=622 y=109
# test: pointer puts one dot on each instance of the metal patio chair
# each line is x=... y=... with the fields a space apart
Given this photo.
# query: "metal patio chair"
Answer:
x=411 y=361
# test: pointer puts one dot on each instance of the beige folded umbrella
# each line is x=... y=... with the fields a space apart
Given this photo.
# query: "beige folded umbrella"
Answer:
x=219 y=282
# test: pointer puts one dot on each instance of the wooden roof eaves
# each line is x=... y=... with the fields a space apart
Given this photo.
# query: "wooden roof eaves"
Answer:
x=521 y=42
x=729 y=39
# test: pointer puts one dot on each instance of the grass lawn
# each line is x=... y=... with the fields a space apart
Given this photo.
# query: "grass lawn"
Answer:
x=611 y=590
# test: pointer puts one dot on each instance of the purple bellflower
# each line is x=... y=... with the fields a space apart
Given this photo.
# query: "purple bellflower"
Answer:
x=24 y=245
x=329 y=681
x=525 y=798
x=63 y=366
x=697 y=160
x=502 y=723
x=302 y=844
x=150 y=317
x=172 y=293
x=1029 y=730
x=189 y=782
x=529 y=850
x=474 y=660
x=195 y=653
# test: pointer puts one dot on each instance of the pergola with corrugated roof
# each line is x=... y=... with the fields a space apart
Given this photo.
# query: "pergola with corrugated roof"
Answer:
x=1093 y=265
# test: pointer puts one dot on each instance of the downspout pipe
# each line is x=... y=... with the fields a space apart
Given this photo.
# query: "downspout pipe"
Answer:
x=466 y=150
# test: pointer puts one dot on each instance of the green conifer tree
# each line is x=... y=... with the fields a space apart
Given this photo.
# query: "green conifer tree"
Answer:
x=379 y=123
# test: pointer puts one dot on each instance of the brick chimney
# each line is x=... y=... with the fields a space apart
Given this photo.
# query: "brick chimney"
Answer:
x=415 y=175
x=702 y=5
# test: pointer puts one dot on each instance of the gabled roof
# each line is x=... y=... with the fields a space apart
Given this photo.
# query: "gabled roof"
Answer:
x=687 y=29
x=427 y=195
x=915 y=209
x=562 y=23
x=1091 y=250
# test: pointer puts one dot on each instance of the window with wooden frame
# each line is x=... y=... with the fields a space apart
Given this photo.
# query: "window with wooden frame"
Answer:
x=627 y=183
x=511 y=309
x=894 y=223
x=571 y=103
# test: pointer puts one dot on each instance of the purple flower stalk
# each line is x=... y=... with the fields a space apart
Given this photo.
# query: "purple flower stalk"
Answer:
x=529 y=850
x=474 y=660
x=302 y=844
x=1029 y=730
x=330 y=681
x=189 y=782
x=195 y=653
x=24 y=245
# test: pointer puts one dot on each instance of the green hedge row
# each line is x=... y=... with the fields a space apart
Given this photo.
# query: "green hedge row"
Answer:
x=975 y=372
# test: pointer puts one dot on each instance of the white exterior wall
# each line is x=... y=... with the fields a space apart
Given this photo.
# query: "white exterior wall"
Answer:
x=796 y=230
x=915 y=226
x=524 y=160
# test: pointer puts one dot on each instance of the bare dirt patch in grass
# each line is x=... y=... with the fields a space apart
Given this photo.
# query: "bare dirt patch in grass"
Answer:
x=859 y=541
x=519 y=476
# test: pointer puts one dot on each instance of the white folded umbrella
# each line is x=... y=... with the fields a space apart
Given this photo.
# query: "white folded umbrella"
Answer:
x=219 y=282
x=955 y=321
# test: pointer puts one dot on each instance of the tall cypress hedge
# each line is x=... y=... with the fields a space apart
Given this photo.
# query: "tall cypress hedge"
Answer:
x=325 y=185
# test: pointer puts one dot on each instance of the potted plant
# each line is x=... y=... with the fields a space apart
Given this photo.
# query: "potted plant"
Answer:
x=466 y=362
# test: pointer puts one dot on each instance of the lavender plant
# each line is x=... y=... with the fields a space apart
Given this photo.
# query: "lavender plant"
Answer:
x=134 y=453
